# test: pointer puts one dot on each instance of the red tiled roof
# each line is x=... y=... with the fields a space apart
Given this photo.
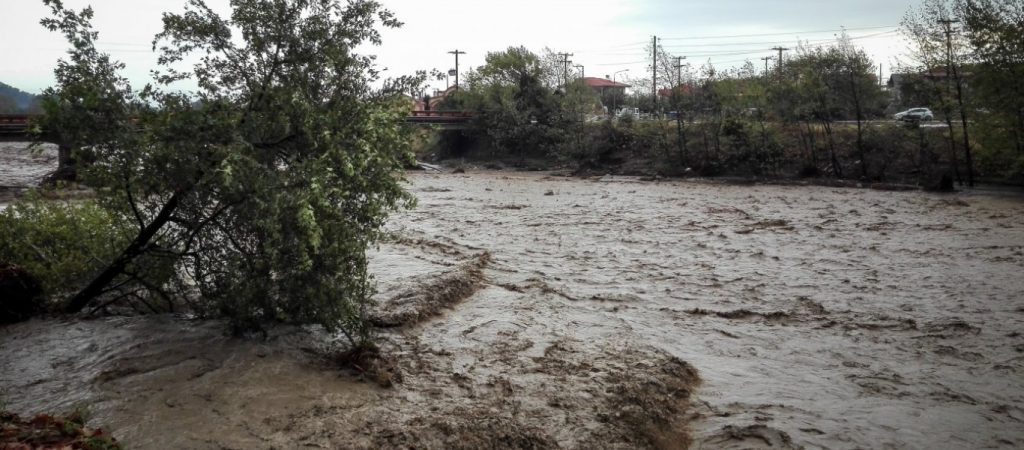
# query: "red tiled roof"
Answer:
x=682 y=88
x=595 y=82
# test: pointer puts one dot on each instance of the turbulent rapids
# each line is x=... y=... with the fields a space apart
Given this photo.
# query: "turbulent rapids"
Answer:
x=532 y=311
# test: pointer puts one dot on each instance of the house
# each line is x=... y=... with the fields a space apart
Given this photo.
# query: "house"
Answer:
x=602 y=86
x=909 y=89
x=681 y=89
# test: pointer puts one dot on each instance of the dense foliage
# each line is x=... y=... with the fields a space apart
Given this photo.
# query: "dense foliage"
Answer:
x=60 y=241
x=254 y=196
x=807 y=116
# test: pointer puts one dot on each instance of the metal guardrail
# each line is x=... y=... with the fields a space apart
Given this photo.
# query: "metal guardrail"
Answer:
x=14 y=126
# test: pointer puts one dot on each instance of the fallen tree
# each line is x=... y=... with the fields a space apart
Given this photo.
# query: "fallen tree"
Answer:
x=257 y=195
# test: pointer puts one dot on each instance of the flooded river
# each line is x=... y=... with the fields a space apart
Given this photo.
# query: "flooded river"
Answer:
x=836 y=317
x=603 y=313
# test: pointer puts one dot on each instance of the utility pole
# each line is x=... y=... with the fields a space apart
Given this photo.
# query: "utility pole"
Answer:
x=780 y=49
x=456 y=52
x=766 y=59
x=654 y=73
x=565 y=68
x=679 y=70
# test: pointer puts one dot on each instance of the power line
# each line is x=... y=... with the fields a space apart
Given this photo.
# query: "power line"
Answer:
x=620 y=63
x=617 y=46
x=775 y=34
x=740 y=52
x=729 y=44
x=806 y=43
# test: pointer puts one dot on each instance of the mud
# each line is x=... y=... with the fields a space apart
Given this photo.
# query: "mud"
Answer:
x=610 y=313
x=430 y=294
x=22 y=168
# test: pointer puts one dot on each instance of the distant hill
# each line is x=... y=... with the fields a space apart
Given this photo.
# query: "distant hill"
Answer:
x=14 y=100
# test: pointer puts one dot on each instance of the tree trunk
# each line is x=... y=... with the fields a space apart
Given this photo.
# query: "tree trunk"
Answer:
x=860 y=128
x=963 y=122
x=681 y=134
x=836 y=170
x=860 y=142
x=954 y=160
x=967 y=137
x=97 y=286
x=813 y=144
x=1020 y=131
x=67 y=167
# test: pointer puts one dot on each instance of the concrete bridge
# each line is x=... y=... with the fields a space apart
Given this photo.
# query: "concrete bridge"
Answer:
x=446 y=119
x=15 y=127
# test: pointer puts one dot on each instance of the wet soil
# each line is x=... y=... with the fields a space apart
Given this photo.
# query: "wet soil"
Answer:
x=529 y=311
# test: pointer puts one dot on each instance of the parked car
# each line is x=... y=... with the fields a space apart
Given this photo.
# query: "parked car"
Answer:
x=915 y=114
x=633 y=113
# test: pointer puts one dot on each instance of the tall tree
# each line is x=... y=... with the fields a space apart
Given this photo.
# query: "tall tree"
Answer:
x=995 y=30
x=938 y=46
x=859 y=90
x=262 y=190
x=819 y=74
x=517 y=111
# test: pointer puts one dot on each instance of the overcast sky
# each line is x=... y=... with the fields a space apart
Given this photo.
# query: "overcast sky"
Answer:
x=604 y=36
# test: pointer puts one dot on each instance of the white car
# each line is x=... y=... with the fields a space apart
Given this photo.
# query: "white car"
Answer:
x=629 y=112
x=915 y=114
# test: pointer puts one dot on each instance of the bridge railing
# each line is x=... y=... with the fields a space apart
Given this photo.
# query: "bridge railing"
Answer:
x=438 y=113
x=15 y=119
x=14 y=126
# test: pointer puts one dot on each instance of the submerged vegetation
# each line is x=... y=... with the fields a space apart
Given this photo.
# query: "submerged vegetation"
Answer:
x=254 y=197
x=46 y=431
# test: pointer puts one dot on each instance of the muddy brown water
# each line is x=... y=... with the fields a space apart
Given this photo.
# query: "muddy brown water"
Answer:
x=813 y=317
x=22 y=167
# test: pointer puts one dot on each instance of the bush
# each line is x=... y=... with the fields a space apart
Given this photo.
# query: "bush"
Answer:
x=257 y=199
x=59 y=242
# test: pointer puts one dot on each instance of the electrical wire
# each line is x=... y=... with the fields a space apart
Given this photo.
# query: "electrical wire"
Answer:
x=773 y=34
